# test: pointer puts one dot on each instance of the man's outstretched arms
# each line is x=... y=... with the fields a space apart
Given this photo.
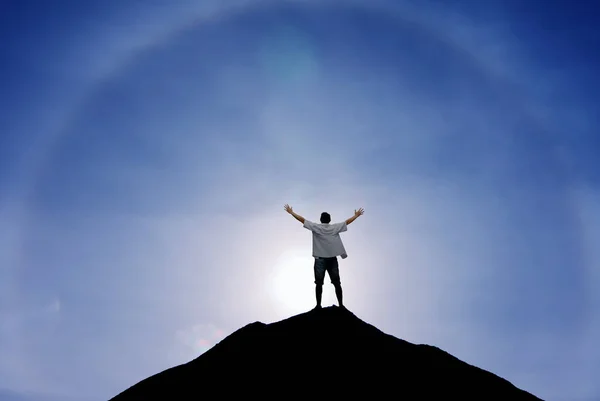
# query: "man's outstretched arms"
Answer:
x=288 y=209
x=356 y=214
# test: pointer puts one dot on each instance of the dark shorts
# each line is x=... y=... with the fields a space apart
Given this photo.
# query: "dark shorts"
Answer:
x=331 y=266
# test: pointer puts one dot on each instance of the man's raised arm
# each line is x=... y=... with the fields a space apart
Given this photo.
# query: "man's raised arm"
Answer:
x=288 y=209
x=356 y=214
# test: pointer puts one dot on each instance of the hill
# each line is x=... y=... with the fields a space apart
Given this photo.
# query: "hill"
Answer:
x=321 y=354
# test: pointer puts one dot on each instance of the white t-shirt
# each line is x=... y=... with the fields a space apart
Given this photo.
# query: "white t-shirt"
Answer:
x=326 y=239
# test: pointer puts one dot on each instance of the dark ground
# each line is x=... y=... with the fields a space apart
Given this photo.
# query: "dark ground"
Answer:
x=328 y=353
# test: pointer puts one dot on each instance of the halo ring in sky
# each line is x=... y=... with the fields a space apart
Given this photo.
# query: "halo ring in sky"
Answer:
x=174 y=34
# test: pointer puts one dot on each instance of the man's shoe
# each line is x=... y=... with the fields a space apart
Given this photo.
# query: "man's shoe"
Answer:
x=317 y=307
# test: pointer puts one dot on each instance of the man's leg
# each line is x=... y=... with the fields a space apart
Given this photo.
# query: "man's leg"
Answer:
x=319 y=294
x=334 y=275
x=338 y=294
x=319 y=277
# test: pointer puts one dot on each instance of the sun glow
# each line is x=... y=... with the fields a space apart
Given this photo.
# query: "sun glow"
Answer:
x=292 y=282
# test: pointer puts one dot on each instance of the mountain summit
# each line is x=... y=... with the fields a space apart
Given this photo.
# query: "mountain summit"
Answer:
x=322 y=353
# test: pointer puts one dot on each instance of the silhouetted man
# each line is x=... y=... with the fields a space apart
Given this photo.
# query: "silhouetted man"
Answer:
x=327 y=245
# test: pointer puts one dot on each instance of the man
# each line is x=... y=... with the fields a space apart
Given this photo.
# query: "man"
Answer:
x=327 y=245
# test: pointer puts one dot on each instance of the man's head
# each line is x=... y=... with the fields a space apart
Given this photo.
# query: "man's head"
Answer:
x=325 y=218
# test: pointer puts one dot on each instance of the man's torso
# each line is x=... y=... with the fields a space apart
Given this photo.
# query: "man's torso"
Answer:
x=327 y=242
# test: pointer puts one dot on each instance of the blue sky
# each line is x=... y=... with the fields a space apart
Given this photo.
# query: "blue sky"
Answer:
x=147 y=150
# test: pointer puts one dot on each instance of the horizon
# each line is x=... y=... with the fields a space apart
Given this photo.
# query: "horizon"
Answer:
x=147 y=150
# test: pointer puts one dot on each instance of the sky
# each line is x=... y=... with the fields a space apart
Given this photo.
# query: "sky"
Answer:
x=147 y=149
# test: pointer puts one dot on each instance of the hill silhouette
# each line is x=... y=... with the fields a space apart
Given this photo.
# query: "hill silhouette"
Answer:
x=320 y=354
